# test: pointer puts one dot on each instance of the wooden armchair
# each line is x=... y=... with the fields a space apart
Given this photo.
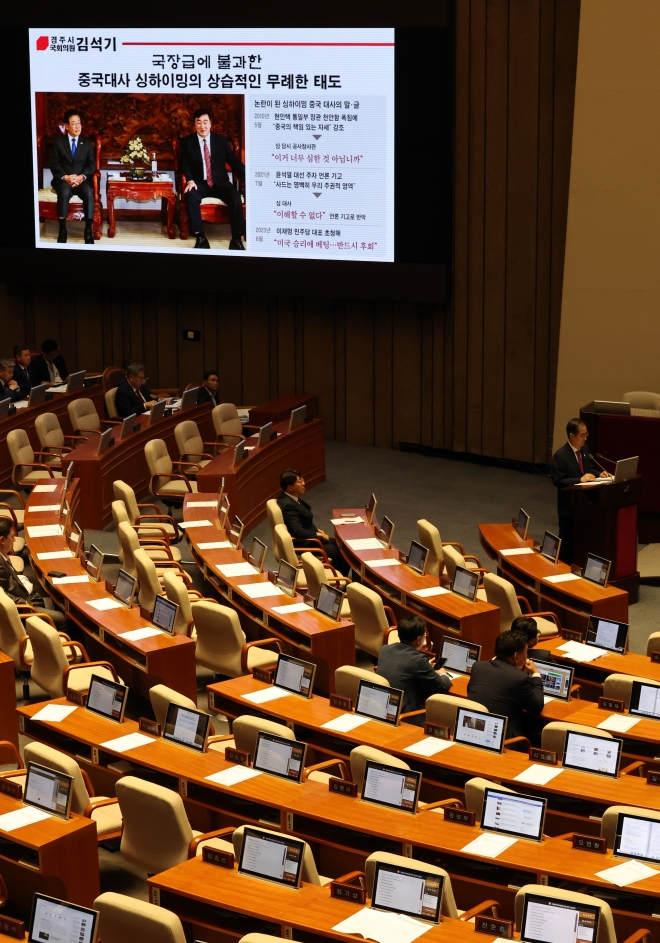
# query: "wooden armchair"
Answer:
x=213 y=209
x=48 y=196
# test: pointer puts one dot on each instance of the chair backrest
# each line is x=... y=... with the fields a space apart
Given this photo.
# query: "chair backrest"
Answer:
x=110 y=398
x=49 y=430
x=49 y=658
x=158 y=461
x=156 y=831
x=111 y=377
x=187 y=438
x=606 y=931
x=429 y=537
x=315 y=573
x=147 y=579
x=274 y=512
x=448 y=904
x=553 y=735
x=226 y=420
x=259 y=938
x=474 y=794
x=452 y=558
x=11 y=630
x=220 y=638
x=176 y=591
x=442 y=708
x=124 y=492
x=369 y=617
x=40 y=753
x=611 y=815
x=125 y=919
x=347 y=680
x=283 y=546
x=83 y=415
x=502 y=593
x=360 y=755
x=246 y=728
x=309 y=870
x=128 y=541
x=642 y=400
x=19 y=447
x=160 y=696
x=620 y=687
x=653 y=644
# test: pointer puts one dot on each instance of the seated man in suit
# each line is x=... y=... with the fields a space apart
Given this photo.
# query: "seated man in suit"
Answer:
x=23 y=371
x=49 y=366
x=73 y=164
x=202 y=159
x=527 y=625
x=132 y=394
x=570 y=464
x=19 y=587
x=208 y=391
x=406 y=666
x=9 y=388
x=509 y=683
x=299 y=519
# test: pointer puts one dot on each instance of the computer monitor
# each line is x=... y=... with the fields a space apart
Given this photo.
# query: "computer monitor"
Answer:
x=370 y=509
x=287 y=574
x=416 y=893
x=378 y=702
x=127 y=426
x=4 y=406
x=56 y=920
x=75 y=539
x=384 y=533
x=189 y=398
x=550 y=546
x=164 y=614
x=459 y=655
x=626 y=468
x=592 y=754
x=637 y=837
x=391 y=786
x=264 y=435
x=75 y=381
x=239 y=453
x=417 y=557
x=221 y=493
x=548 y=919
x=465 y=583
x=37 y=394
x=297 y=417
x=107 y=698
x=124 y=588
x=645 y=699
x=605 y=633
x=521 y=524
x=296 y=675
x=68 y=478
x=280 y=757
x=235 y=532
x=157 y=411
x=94 y=562
x=271 y=857
x=187 y=727
x=48 y=789
x=596 y=569
x=480 y=729
x=223 y=511
x=257 y=553
x=104 y=441
x=557 y=681
x=328 y=602
x=512 y=813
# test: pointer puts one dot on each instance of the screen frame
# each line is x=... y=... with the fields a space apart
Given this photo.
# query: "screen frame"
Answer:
x=282 y=656
x=338 y=596
x=64 y=903
x=94 y=572
x=363 y=683
x=491 y=791
x=167 y=603
x=123 y=572
x=116 y=685
x=370 y=509
x=263 y=437
x=187 y=399
x=635 y=711
x=549 y=665
x=128 y=426
x=231 y=531
x=38 y=394
x=35 y=805
x=616 y=850
x=381 y=531
x=559 y=901
x=386 y=866
x=251 y=558
x=297 y=417
x=279 y=838
x=239 y=453
x=595 y=556
x=548 y=533
x=157 y=411
x=516 y=525
x=72 y=387
x=264 y=735
x=592 y=772
x=416 y=543
x=373 y=764
x=285 y=589
x=472 y=574
x=4 y=406
x=168 y=738
x=593 y=642
x=104 y=441
x=478 y=746
x=463 y=643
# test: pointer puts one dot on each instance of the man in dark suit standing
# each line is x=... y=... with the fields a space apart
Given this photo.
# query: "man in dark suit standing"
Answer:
x=202 y=158
x=23 y=371
x=405 y=666
x=299 y=518
x=508 y=684
x=132 y=393
x=73 y=164
x=571 y=464
x=49 y=366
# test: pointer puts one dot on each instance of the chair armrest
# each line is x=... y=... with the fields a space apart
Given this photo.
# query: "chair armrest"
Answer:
x=230 y=439
x=340 y=579
x=46 y=453
x=259 y=643
x=89 y=664
x=548 y=615
x=13 y=772
x=387 y=633
x=640 y=935
x=42 y=615
x=471 y=556
x=391 y=618
x=97 y=804
x=422 y=710
x=88 y=783
x=22 y=645
x=183 y=464
x=192 y=847
x=352 y=876
x=576 y=691
x=491 y=905
x=216 y=445
x=48 y=449
x=12 y=513
x=154 y=506
x=565 y=836
x=8 y=745
x=112 y=422
x=46 y=468
x=172 y=478
x=454 y=543
x=443 y=804
x=524 y=604
x=638 y=768
x=16 y=494
x=75 y=438
x=161 y=533
x=512 y=740
x=80 y=647
x=216 y=738
x=326 y=764
x=197 y=455
x=157 y=547
x=190 y=627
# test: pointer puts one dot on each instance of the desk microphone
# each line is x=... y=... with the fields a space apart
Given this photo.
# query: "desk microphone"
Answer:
x=603 y=457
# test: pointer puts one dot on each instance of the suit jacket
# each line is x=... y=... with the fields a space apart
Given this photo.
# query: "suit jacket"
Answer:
x=204 y=396
x=12 y=394
x=504 y=689
x=127 y=400
x=406 y=668
x=297 y=516
x=40 y=369
x=26 y=379
x=565 y=471
x=62 y=163
x=11 y=584
x=192 y=165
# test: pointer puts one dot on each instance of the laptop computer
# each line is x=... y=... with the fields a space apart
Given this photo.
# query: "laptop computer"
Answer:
x=75 y=381
x=297 y=417
x=189 y=398
x=157 y=411
x=37 y=394
x=626 y=468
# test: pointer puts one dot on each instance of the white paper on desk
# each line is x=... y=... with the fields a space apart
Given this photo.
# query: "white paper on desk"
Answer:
x=250 y=448
x=201 y=504
x=54 y=712
x=21 y=404
x=186 y=524
x=346 y=520
x=516 y=551
x=489 y=846
x=294 y=607
x=102 y=605
x=383 y=927
x=562 y=578
x=43 y=489
x=56 y=555
x=548 y=699
x=429 y=746
x=591 y=484
x=135 y=635
x=577 y=651
x=128 y=742
x=233 y=775
x=627 y=873
x=386 y=561
x=10 y=821
x=259 y=590
x=38 y=508
x=45 y=530
x=345 y=722
x=365 y=543
x=237 y=569
x=215 y=545
x=266 y=694
x=620 y=723
x=58 y=389
x=60 y=580
x=537 y=775
x=430 y=591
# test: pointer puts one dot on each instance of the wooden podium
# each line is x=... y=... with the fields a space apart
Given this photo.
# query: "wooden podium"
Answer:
x=606 y=523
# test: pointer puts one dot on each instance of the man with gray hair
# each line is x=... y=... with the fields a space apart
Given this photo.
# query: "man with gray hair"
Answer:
x=9 y=388
x=132 y=393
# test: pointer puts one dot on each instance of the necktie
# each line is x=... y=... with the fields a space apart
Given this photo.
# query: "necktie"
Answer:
x=578 y=456
x=207 y=165
x=74 y=147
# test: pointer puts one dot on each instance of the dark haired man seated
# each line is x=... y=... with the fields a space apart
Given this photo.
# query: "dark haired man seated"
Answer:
x=49 y=366
x=528 y=626
x=18 y=587
x=208 y=391
x=405 y=666
x=299 y=519
x=132 y=394
x=23 y=371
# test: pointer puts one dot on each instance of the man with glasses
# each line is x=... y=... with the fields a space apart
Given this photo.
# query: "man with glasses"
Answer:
x=571 y=464
x=132 y=394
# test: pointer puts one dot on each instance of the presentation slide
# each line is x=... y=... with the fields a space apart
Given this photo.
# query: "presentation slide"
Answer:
x=278 y=142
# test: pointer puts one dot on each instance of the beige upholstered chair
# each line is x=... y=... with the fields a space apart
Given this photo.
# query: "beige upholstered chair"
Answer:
x=110 y=406
x=309 y=874
x=17 y=515
x=83 y=416
x=26 y=472
x=227 y=423
x=149 y=576
x=452 y=559
x=429 y=537
x=359 y=757
x=553 y=736
x=619 y=686
x=284 y=550
x=502 y=593
x=129 y=542
x=259 y=938
x=246 y=728
x=606 y=931
x=274 y=513
x=165 y=483
x=610 y=816
x=191 y=446
x=50 y=668
x=152 y=524
x=52 y=439
x=653 y=643
x=643 y=404
x=370 y=617
x=221 y=643
x=125 y=919
x=160 y=696
x=11 y=634
x=157 y=834
x=176 y=591
x=474 y=794
x=347 y=680
x=316 y=574
x=442 y=708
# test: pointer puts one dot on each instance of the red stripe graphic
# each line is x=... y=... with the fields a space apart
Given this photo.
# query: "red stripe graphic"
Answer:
x=254 y=44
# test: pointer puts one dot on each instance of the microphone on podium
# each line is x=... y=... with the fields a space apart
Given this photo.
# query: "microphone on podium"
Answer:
x=605 y=459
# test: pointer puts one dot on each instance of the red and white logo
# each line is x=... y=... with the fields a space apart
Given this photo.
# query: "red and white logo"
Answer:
x=42 y=42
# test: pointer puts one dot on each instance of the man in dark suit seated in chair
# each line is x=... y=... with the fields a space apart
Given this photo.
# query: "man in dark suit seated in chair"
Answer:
x=73 y=164
x=202 y=158
x=299 y=518
x=132 y=395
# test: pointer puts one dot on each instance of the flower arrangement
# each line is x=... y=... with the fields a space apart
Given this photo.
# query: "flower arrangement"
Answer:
x=134 y=151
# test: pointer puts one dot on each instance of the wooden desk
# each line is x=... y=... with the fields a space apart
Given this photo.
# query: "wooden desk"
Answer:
x=125 y=460
x=257 y=478
x=307 y=634
x=8 y=725
x=446 y=614
x=25 y=419
x=595 y=672
x=279 y=410
x=162 y=659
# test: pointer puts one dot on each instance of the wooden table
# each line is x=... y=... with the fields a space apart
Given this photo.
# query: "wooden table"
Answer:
x=279 y=410
x=257 y=478
x=446 y=614
x=141 y=192
x=8 y=724
x=125 y=460
x=307 y=634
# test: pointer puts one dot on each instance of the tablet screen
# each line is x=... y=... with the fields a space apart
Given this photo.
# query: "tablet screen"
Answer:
x=549 y=920
x=281 y=757
x=329 y=601
x=522 y=524
x=459 y=655
x=603 y=633
x=187 y=727
x=286 y=578
x=164 y=614
x=391 y=786
x=637 y=837
x=257 y=553
x=480 y=729
x=125 y=587
x=271 y=857
x=596 y=569
x=407 y=891
x=465 y=583
x=557 y=681
x=592 y=754
x=60 y=922
x=379 y=703
x=48 y=789
x=550 y=546
x=513 y=814
x=296 y=675
x=645 y=699
x=417 y=557
x=107 y=698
